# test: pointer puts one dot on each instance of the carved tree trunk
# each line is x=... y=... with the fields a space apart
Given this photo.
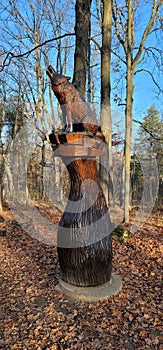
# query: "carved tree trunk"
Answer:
x=86 y=261
x=84 y=232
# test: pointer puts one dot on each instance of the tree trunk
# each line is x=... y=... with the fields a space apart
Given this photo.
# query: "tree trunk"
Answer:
x=106 y=123
x=1 y=208
x=126 y=36
x=89 y=95
x=82 y=26
x=1 y=177
x=10 y=186
x=84 y=234
x=129 y=102
x=3 y=112
x=86 y=259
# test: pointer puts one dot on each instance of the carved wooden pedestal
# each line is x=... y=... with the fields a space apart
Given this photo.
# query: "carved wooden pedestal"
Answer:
x=84 y=241
x=87 y=259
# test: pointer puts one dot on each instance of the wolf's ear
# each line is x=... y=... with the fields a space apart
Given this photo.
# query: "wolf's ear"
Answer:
x=56 y=78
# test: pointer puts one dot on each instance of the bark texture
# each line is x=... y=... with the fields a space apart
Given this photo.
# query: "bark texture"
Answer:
x=106 y=122
x=84 y=232
x=87 y=259
x=82 y=27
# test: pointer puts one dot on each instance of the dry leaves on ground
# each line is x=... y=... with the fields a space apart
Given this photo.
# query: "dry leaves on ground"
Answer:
x=35 y=316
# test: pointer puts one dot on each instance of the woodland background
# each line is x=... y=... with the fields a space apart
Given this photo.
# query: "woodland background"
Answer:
x=104 y=46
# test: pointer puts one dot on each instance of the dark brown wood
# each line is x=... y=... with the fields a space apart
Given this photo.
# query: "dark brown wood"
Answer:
x=84 y=239
x=90 y=264
x=60 y=137
x=77 y=144
x=84 y=232
x=82 y=31
x=72 y=103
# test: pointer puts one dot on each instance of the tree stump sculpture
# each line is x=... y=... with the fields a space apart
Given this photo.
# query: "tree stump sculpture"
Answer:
x=84 y=232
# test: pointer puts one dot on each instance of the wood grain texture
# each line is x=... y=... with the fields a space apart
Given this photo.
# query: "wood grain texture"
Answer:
x=89 y=264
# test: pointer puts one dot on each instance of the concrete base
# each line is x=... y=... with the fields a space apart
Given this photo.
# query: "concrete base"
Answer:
x=91 y=294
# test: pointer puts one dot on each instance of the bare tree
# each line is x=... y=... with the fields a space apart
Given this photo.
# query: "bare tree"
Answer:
x=82 y=28
x=133 y=55
x=106 y=122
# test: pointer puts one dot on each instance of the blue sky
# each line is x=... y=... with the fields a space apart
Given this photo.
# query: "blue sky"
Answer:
x=145 y=93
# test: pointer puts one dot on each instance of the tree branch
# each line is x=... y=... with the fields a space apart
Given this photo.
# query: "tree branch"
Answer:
x=118 y=56
x=95 y=42
x=122 y=42
x=154 y=13
x=147 y=130
x=10 y=55
x=151 y=75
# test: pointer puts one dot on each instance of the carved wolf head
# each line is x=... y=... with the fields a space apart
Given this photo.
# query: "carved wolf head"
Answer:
x=56 y=78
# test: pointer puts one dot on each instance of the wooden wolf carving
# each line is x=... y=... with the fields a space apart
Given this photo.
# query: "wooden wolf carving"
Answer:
x=73 y=106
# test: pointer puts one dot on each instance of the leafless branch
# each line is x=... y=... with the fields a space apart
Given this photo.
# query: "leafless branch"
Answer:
x=118 y=56
x=116 y=15
x=95 y=42
x=151 y=75
x=154 y=13
x=38 y=130
x=147 y=130
x=10 y=55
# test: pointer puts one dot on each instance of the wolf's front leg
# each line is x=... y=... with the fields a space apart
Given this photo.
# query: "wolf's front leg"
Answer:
x=69 y=120
x=64 y=117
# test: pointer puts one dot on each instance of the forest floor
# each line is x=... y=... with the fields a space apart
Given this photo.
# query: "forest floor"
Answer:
x=34 y=315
